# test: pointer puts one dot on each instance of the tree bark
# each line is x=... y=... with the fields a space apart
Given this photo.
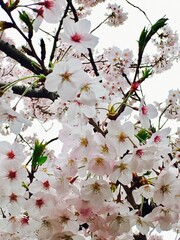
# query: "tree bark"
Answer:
x=12 y=52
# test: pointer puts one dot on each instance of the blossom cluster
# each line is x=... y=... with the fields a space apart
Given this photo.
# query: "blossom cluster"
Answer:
x=114 y=170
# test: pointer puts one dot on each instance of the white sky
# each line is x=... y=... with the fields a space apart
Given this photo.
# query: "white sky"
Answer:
x=126 y=36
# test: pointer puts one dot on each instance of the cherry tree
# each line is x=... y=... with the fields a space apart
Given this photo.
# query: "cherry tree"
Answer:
x=113 y=171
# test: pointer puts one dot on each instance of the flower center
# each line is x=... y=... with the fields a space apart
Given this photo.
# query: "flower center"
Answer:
x=48 y=4
x=11 y=175
x=99 y=161
x=165 y=189
x=95 y=187
x=139 y=152
x=122 y=167
x=66 y=76
x=76 y=38
x=39 y=202
x=144 y=110
x=10 y=154
x=46 y=184
x=13 y=197
x=122 y=136
x=24 y=220
x=86 y=88
x=84 y=142
x=104 y=149
x=157 y=139
x=11 y=118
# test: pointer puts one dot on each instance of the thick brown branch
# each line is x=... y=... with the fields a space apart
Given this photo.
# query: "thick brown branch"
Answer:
x=32 y=93
x=130 y=197
x=96 y=127
x=12 y=52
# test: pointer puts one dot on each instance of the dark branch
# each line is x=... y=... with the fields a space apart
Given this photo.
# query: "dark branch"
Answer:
x=140 y=237
x=32 y=93
x=56 y=37
x=93 y=63
x=12 y=52
x=73 y=10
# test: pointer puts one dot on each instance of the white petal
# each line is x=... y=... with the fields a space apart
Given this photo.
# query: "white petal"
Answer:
x=52 y=82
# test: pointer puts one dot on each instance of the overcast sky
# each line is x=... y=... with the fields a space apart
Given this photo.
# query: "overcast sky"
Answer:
x=126 y=36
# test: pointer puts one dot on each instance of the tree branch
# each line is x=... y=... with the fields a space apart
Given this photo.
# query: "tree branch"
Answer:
x=12 y=52
x=32 y=93
x=73 y=10
x=140 y=237
x=56 y=37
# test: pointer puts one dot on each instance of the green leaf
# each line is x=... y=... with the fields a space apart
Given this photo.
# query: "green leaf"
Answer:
x=42 y=160
x=25 y=18
x=24 y=185
x=147 y=34
x=146 y=73
x=142 y=135
x=155 y=27
x=37 y=153
x=13 y=5
x=142 y=38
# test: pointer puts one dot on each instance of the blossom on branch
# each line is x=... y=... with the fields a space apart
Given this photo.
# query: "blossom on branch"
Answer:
x=50 y=10
x=66 y=79
x=14 y=120
x=77 y=34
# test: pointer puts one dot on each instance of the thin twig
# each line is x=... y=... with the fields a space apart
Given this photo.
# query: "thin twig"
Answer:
x=139 y=10
x=56 y=37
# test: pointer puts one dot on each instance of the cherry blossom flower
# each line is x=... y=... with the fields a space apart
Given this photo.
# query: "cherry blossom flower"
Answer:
x=143 y=158
x=66 y=79
x=143 y=224
x=13 y=199
x=65 y=218
x=166 y=188
x=39 y=204
x=145 y=191
x=84 y=209
x=165 y=217
x=77 y=111
x=91 y=91
x=50 y=10
x=11 y=152
x=100 y=165
x=117 y=16
x=95 y=191
x=121 y=136
x=68 y=165
x=42 y=183
x=146 y=112
x=14 y=120
x=121 y=171
x=160 y=138
x=104 y=146
x=77 y=34
x=84 y=143
x=27 y=226
x=13 y=174
x=119 y=224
